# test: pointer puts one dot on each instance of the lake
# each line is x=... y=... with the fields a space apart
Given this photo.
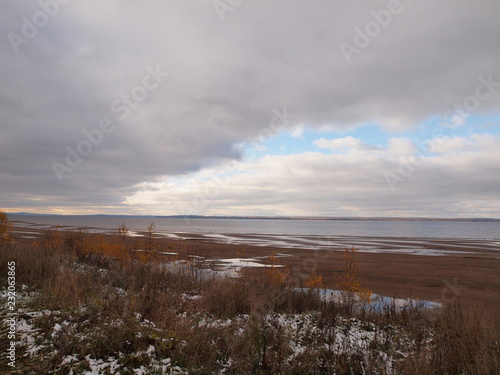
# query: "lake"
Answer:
x=433 y=238
x=323 y=228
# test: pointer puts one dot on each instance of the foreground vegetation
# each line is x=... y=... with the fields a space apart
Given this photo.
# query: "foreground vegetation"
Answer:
x=89 y=304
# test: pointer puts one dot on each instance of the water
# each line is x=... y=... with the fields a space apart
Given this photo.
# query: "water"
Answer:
x=322 y=228
x=377 y=302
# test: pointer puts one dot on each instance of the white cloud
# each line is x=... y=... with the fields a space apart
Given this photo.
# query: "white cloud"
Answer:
x=401 y=146
x=346 y=142
x=314 y=183
x=298 y=132
x=476 y=143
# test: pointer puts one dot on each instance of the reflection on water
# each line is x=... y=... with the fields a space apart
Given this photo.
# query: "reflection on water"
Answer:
x=377 y=302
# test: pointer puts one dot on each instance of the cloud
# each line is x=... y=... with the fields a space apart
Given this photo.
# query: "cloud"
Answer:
x=225 y=80
x=348 y=142
x=298 y=132
x=476 y=143
x=342 y=184
x=401 y=146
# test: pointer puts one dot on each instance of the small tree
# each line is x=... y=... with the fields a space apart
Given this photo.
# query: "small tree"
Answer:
x=4 y=226
x=151 y=245
x=123 y=231
x=348 y=281
x=274 y=274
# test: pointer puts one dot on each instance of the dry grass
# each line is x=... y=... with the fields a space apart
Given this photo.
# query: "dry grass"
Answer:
x=115 y=300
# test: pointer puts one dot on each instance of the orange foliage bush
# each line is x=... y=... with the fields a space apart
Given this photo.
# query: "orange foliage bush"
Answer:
x=348 y=281
x=52 y=240
x=274 y=274
x=81 y=243
x=315 y=281
x=4 y=227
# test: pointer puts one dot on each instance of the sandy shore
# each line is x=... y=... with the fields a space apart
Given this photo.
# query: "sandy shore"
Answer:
x=440 y=270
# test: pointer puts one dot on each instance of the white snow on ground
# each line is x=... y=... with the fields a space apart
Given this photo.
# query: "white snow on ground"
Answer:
x=27 y=334
x=98 y=366
x=348 y=336
x=191 y=297
x=301 y=333
x=57 y=328
x=69 y=359
x=210 y=322
x=31 y=342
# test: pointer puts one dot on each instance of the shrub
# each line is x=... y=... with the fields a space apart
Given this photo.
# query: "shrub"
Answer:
x=4 y=226
x=348 y=281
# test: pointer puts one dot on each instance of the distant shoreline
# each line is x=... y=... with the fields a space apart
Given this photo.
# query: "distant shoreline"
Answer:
x=232 y=217
x=327 y=218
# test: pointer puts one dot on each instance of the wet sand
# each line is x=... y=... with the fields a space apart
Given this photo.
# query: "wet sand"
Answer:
x=441 y=270
x=470 y=274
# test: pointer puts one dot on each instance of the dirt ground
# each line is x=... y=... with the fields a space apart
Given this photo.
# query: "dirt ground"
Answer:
x=473 y=280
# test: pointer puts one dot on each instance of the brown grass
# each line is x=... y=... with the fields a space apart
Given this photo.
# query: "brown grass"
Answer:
x=100 y=285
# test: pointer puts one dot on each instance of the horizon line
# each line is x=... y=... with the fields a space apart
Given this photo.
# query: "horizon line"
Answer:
x=275 y=217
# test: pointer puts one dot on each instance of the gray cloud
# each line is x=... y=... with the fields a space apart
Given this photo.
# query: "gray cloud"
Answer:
x=225 y=79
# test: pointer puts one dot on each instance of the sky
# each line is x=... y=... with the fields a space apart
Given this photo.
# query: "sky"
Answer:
x=239 y=107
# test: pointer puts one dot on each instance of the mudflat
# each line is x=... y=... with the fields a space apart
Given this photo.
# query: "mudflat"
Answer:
x=441 y=270
x=470 y=275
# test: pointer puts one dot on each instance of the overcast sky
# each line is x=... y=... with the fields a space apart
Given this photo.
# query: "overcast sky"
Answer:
x=253 y=107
